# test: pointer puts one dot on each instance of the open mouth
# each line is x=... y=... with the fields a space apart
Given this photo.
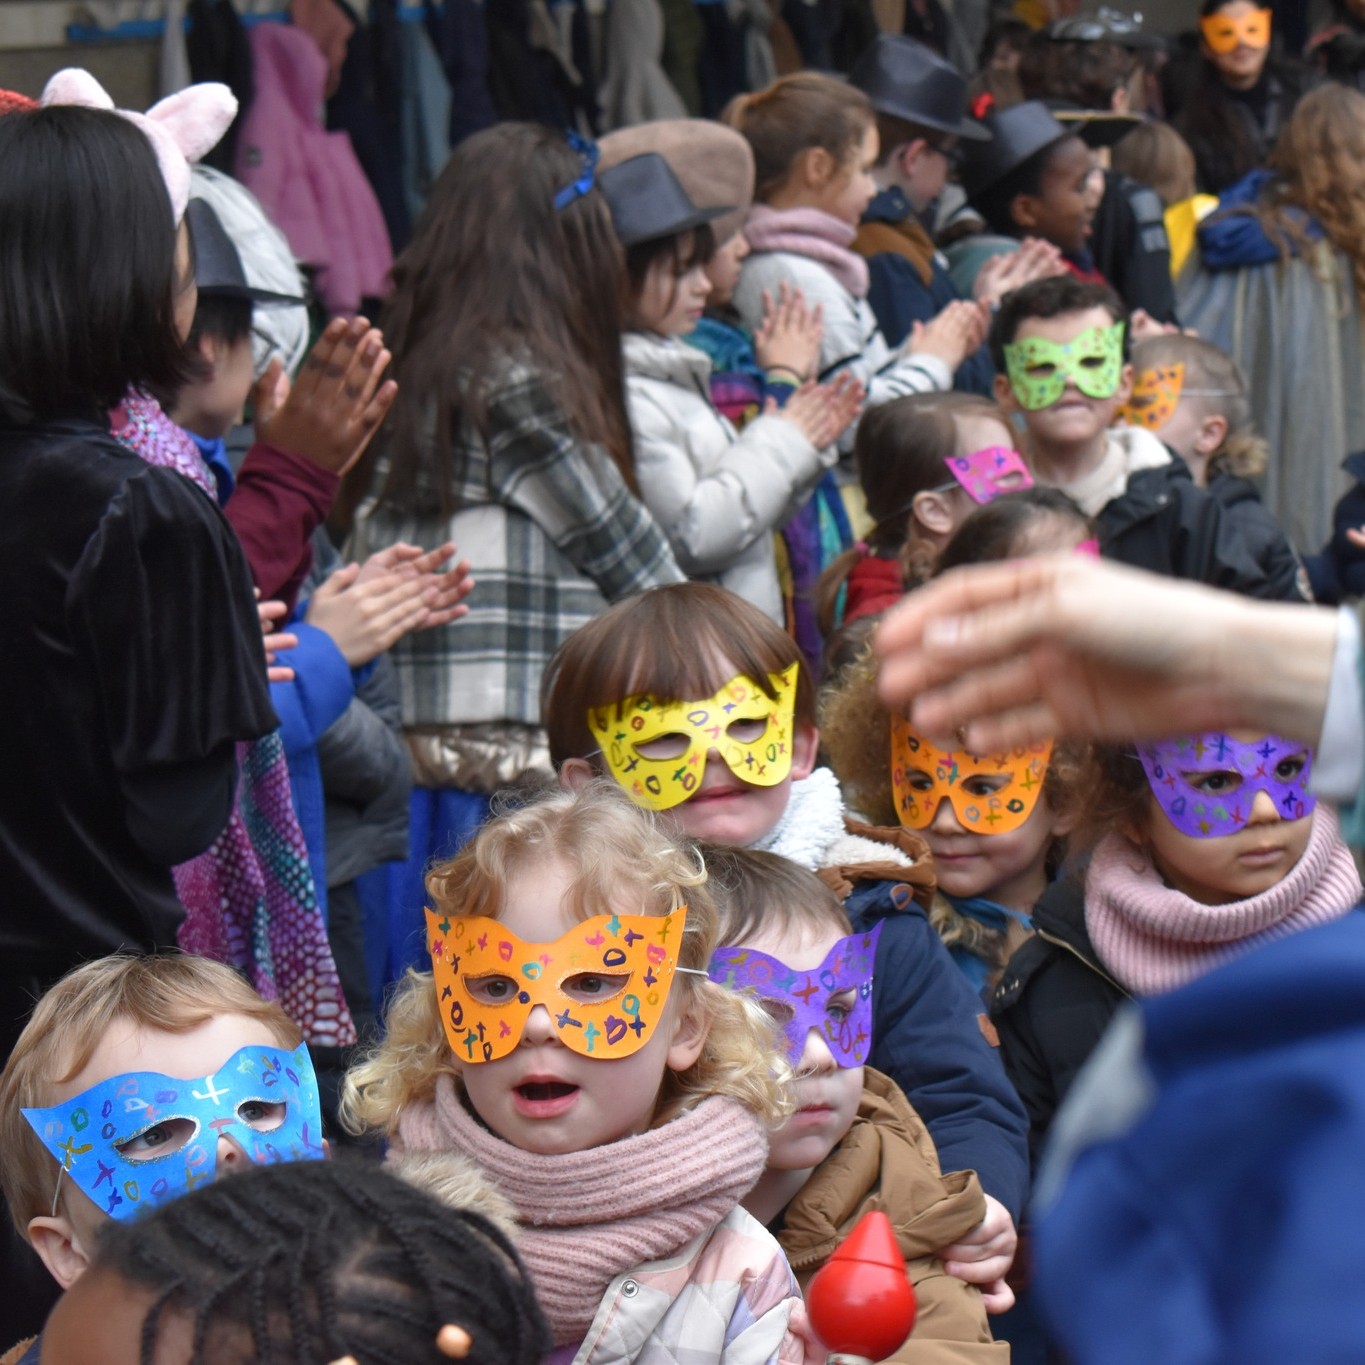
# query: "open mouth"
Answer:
x=540 y=1091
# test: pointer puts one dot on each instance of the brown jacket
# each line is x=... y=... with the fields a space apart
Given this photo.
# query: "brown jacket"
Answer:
x=887 y=1161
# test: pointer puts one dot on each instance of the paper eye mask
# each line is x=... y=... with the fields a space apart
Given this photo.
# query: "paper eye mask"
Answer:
x=1226 y=33
x=992 y=795
x=1206 y=784
x=657 y=749
x=835 y=999
x=985 y=474
x=1155 y=396
x=1038 y=369
x=604 y=983
x=136 y=1141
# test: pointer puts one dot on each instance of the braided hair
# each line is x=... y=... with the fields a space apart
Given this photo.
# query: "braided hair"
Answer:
x=304 y=1262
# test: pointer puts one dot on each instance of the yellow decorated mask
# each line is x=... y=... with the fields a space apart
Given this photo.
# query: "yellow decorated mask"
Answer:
x=988 y=795
x=1155 y=396
x=657 y=749
x=1226 y=32
x=605 y=983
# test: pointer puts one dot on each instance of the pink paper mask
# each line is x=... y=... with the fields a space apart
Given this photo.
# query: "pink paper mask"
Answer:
x=835 y=999
x=985 y=474
x=1206 y=784
x=181 y=128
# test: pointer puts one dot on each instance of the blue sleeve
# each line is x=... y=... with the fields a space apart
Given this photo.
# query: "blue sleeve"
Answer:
x=927 y=1032
x=322 y=689
x=897 y=295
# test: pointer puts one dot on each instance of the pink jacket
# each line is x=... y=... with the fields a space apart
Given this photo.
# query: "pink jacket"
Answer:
x=307 y=179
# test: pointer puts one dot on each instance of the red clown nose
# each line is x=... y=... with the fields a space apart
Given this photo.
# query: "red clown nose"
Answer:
x=860 y=1301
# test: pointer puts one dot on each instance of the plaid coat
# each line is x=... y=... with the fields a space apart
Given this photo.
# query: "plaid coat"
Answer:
x=553 y=534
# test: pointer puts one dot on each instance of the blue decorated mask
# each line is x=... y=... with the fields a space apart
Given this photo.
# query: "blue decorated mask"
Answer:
x=135 y=1141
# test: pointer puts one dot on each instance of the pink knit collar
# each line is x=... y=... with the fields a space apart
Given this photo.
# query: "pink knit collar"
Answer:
x=813 y=233
x=588 y=1217
x=1152 y=938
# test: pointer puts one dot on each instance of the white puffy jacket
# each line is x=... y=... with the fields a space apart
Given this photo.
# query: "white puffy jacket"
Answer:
x=717 y=494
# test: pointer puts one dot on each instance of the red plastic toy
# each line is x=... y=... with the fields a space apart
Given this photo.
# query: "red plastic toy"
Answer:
x=860 y=1301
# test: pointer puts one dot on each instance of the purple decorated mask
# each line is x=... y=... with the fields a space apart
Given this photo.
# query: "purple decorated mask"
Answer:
x=985 y=474
x=834 y=998
x=1206 y=784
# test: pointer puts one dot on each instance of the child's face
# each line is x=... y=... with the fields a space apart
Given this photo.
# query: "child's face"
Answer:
x=1230 y=867
x=827 y=1095
x=671 y=304
x=544 y=1097
x=1075 y=420
x=120 y=1308
x=1062 y=209
x=723 y=268
x=850 y=189
x=217 y=402
x=64 y=1241
x=1240 y=62
x=1182 y=429
x=186 y=288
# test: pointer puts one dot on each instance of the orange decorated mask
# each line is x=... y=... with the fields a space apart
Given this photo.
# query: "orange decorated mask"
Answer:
x=1225 y=33
x=605 y=983
x=1155 y=396
x=992 y=795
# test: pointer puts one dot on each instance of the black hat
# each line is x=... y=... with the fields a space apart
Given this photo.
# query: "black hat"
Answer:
x=648 y=201
x=1106 y=26
x=1096 y=127
x=909 y=81
x=1019 y=133
x=217 y=264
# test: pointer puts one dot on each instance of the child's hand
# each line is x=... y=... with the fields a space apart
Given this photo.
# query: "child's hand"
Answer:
x=788 y=340
x=410 y=562
x=276 y=642
x=1142 y=326
x=983 y=1257
x=952 y=335
x=337 y=403
x=1035 y=260
x=1356 y=535
x=365 y=619
x=821 y=412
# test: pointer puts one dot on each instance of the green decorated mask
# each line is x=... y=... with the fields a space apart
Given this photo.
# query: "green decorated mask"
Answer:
x=1038 y=368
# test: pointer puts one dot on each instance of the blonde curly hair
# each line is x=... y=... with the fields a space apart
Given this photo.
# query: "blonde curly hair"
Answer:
x=618 y=858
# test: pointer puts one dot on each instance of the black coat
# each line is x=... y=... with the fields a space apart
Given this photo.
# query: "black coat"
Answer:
x=1130 y=246
x=1052 y=1006
x=1261 y=533
x=1164 y=523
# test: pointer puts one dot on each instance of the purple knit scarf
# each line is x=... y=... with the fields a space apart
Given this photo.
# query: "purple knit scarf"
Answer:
x=813 y=233
x=249 y=898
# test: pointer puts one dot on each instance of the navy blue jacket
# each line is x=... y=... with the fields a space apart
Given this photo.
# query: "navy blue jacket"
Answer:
x=928 y=1036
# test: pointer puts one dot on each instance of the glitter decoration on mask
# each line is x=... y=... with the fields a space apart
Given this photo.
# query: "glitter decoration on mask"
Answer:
x=604 y=983
x=657 y=750
x=985 y=474
x=923 y=776
x=1206 y=784
x=138 y=1140
x=1038 y=369
x=834 y=999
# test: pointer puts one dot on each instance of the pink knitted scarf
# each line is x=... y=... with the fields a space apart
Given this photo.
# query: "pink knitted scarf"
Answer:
x=587 y=1217
x=813 y=233
x=1152 y=938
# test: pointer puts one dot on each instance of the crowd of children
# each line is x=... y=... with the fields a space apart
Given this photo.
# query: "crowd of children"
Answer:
x=505 y=704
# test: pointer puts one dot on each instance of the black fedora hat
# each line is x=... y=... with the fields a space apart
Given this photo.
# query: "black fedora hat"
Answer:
x=1106 y=26
x=648 y=201
x=217 y=263
x=909 y=81
x=1019 y=133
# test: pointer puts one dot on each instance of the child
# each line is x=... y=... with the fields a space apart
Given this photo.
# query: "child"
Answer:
x=814 y=142
x=1033 y=178
x=1191 y=394
x=1203 y=847
x=621 y=1111
x=854 y=1143
x=990 y=872
x=903 y=451
x=920 y=102
x=717 y=495
x=1061 y=348
x=336 y=1262
x=634 y=671
x=105 y=1032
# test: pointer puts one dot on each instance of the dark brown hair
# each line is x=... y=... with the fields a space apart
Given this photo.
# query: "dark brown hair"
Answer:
x=1011 y=526
x=496 y=273
x=754 y=891
x=1113 y=794
x=794 y=114
x=677 y=643
x=1084 y=73
x=683 y=250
